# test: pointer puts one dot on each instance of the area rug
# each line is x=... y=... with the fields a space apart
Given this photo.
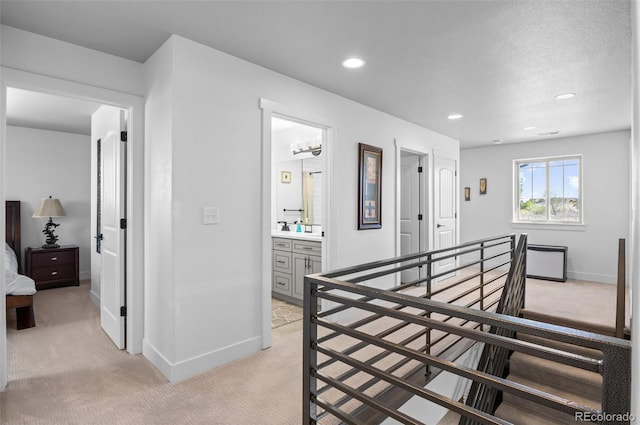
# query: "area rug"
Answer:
x=283 y=313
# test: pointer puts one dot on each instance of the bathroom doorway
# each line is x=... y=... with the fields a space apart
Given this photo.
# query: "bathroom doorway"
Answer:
x=296 y=204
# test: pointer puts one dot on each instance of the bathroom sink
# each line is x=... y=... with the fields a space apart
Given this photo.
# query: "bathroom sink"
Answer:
x=297 y=235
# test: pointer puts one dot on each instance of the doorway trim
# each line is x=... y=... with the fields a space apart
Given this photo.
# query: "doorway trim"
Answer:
x=135 y=190
x=426 y=159
x=269 y=110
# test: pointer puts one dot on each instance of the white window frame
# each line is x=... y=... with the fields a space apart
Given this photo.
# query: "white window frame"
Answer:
x=516 y=191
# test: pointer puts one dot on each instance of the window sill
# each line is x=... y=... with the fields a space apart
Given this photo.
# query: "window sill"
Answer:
x=549 y=226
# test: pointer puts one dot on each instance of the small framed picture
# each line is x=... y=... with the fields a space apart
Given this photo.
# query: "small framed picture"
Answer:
x=285 y=176
x=467 y=193
x=483 y=186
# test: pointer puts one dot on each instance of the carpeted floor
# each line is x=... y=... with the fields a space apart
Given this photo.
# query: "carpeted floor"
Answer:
x=67 y=371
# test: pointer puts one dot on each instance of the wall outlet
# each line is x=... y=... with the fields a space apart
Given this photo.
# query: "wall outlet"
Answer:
x=211 y=215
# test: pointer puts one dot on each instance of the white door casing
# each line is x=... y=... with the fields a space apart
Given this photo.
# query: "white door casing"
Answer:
x=445 y=209
x=109 y=123
x=409 y=210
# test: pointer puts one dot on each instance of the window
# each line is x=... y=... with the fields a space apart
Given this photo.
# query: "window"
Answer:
x=549 y=190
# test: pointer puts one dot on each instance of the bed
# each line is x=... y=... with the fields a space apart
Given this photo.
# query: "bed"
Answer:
x=19 y=289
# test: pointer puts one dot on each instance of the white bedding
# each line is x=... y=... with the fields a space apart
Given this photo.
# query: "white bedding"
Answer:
x=14 y=283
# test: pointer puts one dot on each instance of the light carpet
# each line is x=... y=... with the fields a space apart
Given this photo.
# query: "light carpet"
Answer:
x=67 y=371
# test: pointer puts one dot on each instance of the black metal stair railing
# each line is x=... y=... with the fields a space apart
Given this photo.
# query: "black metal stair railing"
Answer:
x=494 y=358
x=369 y=349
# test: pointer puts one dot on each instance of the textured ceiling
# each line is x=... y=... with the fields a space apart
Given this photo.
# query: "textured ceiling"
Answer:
x=499 y=63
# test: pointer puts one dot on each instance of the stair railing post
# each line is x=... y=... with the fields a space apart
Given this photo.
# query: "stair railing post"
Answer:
x=428 y=313
x=620 y=298
x=310 y=355
x=482 y=281
x=616 y=385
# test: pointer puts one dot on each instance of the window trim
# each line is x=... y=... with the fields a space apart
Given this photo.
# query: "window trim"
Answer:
x=516 y=192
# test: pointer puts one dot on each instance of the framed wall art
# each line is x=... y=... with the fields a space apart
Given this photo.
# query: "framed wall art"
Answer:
x=483 y=186
x=369 y=187
x=285 y=176
x=467 y=193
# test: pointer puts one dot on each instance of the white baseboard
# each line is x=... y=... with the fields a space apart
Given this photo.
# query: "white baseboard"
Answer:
x=593 y=277
x=179 y=371
x=94 y=298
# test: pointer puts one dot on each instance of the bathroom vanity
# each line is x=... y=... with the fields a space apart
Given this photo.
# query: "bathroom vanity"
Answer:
x=294 y=255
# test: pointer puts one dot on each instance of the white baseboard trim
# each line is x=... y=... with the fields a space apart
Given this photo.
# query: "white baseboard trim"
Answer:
x=593 y=277
x=179 y=371
x=94 y=298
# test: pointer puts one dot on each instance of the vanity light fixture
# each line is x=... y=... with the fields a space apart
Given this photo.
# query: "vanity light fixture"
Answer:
x=454 y=116
x=353 y=63
x=564 y=96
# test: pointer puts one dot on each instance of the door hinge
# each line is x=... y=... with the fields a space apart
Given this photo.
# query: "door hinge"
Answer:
x=420 y=169
x=123 y=223
x=419 y=217
x=123 y=311
x=123 y=136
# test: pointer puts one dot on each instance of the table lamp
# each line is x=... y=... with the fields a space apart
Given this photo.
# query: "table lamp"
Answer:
x=50 y=207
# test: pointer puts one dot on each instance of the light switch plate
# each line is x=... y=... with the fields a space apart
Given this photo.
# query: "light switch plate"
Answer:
x=211 y=215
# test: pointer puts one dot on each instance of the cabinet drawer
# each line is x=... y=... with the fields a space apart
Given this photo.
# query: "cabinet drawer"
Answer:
x=282 y=261
x=307 y=247
x=282 y=244
x=53 y=273
x=45 y=259
x=281 y=283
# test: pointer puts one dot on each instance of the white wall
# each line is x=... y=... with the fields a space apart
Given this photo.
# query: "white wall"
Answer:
x=43 y=55
x=592 y=250
x=214 y=272
x=41 y=163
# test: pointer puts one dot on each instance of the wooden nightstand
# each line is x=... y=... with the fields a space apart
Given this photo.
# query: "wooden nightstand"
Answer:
x=53 y=267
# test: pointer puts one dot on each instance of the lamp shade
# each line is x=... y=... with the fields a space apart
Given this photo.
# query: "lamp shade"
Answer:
x=49 y=207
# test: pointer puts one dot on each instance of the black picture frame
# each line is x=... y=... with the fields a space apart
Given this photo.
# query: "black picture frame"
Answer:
x=369 y=187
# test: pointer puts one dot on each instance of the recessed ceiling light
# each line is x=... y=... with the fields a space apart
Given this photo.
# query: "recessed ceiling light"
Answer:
x=353 y=63
x=497 y=142
x=529 y=128
x=565 y=96
x=454 y=116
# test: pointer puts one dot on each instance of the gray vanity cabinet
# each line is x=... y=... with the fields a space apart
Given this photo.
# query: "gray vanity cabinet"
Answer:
x=292 y=260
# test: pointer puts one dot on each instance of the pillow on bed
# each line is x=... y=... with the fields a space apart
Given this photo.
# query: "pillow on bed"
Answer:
x=10 y=264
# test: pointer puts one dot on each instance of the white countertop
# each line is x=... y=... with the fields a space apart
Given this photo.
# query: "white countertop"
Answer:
x=297 y=235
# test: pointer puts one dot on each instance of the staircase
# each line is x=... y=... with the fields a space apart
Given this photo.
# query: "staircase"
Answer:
x=567 y=382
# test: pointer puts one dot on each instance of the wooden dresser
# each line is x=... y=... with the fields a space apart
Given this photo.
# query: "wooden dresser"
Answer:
x=53 y=267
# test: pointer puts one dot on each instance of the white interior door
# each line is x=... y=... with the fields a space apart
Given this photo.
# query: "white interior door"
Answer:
x=445 y=212
x=107 y=123
x=409 y=210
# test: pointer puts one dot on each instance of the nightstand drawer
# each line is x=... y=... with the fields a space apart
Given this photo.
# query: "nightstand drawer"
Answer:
x=46 y=259
x=53 y=267
x=53 y=273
